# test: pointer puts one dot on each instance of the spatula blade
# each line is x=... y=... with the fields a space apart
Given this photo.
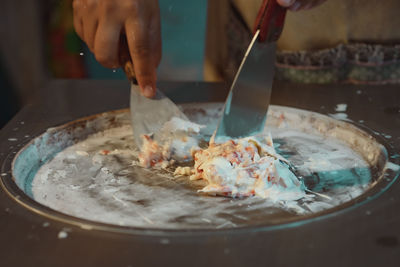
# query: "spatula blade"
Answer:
x=149 y=115
x=246 y=107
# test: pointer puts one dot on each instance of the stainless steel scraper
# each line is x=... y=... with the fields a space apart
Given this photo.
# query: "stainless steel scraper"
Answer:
x=247 y=104
x=147 y=115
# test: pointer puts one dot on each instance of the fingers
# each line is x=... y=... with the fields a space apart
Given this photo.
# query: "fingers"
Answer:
x=286 y=3
x=98 y=30
x=106 y=43
x=89 y=32
x=296 y=5
x=144 y=40
x=99 y=23
x=85 y=20
x=140 y=50
x=78 y=24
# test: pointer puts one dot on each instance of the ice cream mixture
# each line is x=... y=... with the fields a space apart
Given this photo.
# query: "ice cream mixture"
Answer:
x=236 y=168
x=179 y=180
x=178 y=138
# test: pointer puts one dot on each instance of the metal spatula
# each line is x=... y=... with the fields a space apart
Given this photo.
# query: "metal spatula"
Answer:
x=147 y=115
x=247 y=104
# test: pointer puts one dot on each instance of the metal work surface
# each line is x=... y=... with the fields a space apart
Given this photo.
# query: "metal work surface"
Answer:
x=363 y=235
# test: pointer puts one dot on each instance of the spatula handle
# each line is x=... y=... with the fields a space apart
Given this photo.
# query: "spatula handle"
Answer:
x=125 y=59
x=270 y=21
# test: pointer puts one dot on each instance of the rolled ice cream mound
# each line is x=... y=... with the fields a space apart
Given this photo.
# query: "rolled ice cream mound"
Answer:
x=235 y=168
x=246 y=167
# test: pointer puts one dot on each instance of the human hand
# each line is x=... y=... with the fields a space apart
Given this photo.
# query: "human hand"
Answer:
x=100 y=23
x=295 y=5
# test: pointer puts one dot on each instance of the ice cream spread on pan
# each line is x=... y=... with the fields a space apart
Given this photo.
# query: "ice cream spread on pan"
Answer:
x=176 y=140
x=236 y=168
x=246 y=167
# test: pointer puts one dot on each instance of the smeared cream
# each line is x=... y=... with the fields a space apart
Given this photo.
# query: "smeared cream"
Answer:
x=153 y=154
x=340 y=116
x=176 y=139
x=178 y=124
x=341 y=107
x=106 y=187
x=235 y=168
x=246 y=167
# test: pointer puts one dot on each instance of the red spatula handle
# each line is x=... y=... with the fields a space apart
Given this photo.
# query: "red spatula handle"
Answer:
x=270 y=20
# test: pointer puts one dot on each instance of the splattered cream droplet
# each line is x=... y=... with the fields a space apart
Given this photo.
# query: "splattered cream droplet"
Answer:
x=341 y=107
x=12 y=139
x=82 y=153
x=86 y=227
x=62 y=234
x=164 y=241
x=339 y=116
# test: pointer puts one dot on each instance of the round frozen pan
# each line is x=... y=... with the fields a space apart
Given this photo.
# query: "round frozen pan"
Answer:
x=85 y=173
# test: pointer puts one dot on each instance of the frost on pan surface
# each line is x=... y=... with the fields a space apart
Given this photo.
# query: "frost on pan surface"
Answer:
x=95 y=179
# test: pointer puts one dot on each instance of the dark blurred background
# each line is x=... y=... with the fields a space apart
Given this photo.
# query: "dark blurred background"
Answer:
x=38 y=43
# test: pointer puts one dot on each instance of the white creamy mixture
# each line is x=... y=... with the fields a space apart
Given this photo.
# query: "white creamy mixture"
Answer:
x=236 y=168
x=177 y=139
x=99 y=179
